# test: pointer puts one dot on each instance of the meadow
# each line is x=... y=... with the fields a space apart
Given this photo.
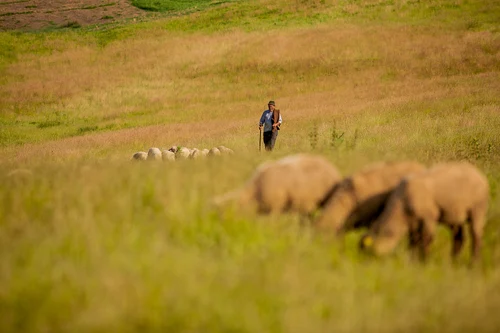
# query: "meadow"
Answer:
x=95 y=242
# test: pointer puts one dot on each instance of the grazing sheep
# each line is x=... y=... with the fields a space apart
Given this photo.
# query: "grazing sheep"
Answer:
x=225 y=151
x=182 y=153
x=357 y=200
x=295 y=183
x=204 y=152
x=154 y=154
x=196 y=154
x=140 y=156
x=167 y=156
x=214 y=152
x=454 y=194
x=173 y=149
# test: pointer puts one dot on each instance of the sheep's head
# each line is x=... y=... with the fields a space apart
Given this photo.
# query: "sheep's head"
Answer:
x=381 y=243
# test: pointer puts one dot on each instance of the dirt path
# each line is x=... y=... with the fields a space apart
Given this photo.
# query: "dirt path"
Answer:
x=40 y=14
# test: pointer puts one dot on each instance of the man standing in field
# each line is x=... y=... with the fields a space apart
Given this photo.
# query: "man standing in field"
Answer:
x=271 y=121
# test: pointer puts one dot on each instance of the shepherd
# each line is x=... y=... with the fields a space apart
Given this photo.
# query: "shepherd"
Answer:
x=271 y=121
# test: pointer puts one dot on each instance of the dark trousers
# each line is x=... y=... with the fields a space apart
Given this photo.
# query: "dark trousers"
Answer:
x=270 y=139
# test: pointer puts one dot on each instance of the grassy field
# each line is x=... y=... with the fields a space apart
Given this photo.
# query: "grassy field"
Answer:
x=94 y=242
x=176 y=5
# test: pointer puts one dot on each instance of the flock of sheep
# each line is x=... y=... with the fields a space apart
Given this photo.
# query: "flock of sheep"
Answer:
x=176 y=153
x=392 y=199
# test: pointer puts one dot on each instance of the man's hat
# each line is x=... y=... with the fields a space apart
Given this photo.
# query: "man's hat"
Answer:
x=271 y=103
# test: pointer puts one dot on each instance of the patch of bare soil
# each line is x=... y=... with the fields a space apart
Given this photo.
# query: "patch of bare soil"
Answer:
x=41 y=14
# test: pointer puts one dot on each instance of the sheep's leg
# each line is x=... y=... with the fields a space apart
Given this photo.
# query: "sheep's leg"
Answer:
x=458 y=240
x=428 y=230
x=413 y=243
x=415 y=232
x=476 y=243
x=477 y=221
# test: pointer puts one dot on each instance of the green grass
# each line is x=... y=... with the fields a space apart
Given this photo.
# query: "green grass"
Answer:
x=176 y=5
x=128 y=246
x=90 y=241
x=266 y=14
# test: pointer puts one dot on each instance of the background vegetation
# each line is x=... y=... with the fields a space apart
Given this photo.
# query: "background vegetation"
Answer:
x=176 y=5
x=93 y=242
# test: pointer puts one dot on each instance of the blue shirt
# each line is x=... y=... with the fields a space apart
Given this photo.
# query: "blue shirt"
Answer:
x=267 y=120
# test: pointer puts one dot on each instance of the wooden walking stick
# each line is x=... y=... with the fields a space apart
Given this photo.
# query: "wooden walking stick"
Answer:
x=260 y=138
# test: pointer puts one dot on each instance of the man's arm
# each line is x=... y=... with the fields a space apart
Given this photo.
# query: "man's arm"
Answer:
x=262 y=119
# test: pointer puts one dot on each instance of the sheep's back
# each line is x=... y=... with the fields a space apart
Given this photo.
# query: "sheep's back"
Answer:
x=454 y=188
x=298 y=182
x=382 y=177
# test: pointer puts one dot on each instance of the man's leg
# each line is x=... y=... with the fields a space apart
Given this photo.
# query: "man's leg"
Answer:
x=273 y=139
x=268 y=139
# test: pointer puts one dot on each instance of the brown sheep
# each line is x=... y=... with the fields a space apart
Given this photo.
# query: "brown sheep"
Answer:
x=358 y=199
x=295 y=183
x=454 y=194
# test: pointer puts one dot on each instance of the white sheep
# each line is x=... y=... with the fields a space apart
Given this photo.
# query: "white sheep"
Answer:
x=196 y=153
x=183 y=153
x=225 y=151
x=154 y=154
x=214 y=152
x=140 y=156
x=167 y=156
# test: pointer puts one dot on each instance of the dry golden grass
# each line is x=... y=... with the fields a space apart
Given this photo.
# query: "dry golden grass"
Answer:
x=166 y=69
x=218 y=84
x=240 y=129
